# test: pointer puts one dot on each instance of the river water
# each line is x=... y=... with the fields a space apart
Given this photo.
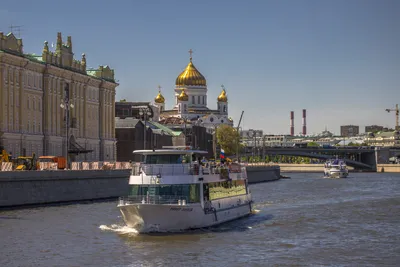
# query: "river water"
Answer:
x=302 y=221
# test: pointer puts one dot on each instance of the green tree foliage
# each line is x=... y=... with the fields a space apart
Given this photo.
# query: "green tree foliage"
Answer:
x=227 y=138
x=312 y=144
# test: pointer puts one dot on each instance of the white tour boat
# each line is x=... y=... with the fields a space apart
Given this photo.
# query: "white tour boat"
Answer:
x=335 y=168
x=175 y=190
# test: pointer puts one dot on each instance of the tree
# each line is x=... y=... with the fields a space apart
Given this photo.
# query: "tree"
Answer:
x=312 y=144
x=228 y=138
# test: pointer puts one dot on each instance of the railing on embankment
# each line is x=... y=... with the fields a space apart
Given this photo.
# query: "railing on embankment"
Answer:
x=95 y=165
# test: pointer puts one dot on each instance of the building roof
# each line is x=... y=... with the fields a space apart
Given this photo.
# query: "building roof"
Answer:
x=156 y=125
x=128 y=122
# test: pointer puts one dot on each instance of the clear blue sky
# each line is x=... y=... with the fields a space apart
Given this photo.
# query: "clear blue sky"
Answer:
x=340 y=60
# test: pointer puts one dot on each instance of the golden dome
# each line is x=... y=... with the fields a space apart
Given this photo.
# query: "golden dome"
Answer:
x=159 y=98
x=183 y=96
x=222 y=96
x=190 y=76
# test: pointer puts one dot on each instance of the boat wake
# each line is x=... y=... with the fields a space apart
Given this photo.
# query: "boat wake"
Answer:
x=120 y=229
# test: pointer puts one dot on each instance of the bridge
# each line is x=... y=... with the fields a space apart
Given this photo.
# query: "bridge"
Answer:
x=362 y=158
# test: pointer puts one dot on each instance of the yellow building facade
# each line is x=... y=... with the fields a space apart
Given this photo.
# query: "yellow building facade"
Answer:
x=32 y=88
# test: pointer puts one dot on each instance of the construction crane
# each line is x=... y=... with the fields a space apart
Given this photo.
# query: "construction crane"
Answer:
x=237 y=145
x=397 y=115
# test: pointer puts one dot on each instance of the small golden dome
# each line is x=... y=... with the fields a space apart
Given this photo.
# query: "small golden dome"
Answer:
x=159 y=98
x=222 y=96
x=183 y=96
x=190 y=76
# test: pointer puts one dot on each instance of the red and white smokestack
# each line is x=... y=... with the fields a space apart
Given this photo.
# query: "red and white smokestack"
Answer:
x=304 y=123
x=292 y=123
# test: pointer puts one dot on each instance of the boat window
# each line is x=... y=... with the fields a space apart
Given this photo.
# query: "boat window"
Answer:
x=190 y=191
x=226 y=189
x=164 y=159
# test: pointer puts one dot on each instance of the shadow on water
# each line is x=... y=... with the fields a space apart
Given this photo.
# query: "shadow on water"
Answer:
x=11 y=218
x=239 y=225
x=59 y=204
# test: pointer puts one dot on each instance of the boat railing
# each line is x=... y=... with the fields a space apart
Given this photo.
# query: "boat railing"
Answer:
x=154 y=199
x=170 y=169
x=182 y=169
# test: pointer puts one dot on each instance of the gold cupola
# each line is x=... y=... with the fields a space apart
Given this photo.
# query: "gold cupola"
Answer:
x=222 y=96
x=183 y=96
x=190 y=76
x=159 y=98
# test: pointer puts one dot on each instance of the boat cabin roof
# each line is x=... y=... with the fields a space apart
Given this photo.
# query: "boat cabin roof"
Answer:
x=169 y=152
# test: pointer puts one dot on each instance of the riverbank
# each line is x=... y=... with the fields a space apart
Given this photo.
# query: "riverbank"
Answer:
x=285 y=167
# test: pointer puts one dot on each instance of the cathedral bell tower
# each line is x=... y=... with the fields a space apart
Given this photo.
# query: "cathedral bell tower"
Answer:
x=160 y=100
x=183 y=100
x=222 y=102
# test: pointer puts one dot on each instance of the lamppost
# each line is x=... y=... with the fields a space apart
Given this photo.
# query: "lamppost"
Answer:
x=184 y=118
x=66 y=105
x=145 y=112
x=252 y=134
x=193 y=135
x=239 y=130
x=215 y=141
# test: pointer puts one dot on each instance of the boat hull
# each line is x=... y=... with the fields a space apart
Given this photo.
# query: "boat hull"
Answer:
x=336 y=173
x=147 y=218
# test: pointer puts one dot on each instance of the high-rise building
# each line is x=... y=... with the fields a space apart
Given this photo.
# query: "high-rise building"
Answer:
x=373 y=128
x=32 y=89
x=349 y=130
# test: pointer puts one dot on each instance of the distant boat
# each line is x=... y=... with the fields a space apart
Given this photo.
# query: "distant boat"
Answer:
x=335 y=168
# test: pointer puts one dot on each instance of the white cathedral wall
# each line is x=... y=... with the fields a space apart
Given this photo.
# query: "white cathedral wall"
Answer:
x=196 y=92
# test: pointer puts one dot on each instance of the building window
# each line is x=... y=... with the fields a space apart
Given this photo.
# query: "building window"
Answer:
x=224 y=108
x=185 y=107
x=198 y=99
x=179 y=108
x=193 y=100
x=204 y=99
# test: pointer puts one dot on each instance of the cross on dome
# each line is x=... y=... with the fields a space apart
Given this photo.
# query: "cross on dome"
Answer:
x=190 y=53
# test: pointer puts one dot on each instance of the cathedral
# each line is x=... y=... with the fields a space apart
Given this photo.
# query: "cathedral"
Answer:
x=191 y=100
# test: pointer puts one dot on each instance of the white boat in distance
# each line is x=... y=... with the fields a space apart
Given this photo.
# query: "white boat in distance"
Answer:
x=335 y=168
x=174 y=190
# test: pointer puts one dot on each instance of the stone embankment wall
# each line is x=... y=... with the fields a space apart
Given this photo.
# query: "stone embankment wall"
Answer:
x=40 y=187
x=388 y=168
x=262 y=173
